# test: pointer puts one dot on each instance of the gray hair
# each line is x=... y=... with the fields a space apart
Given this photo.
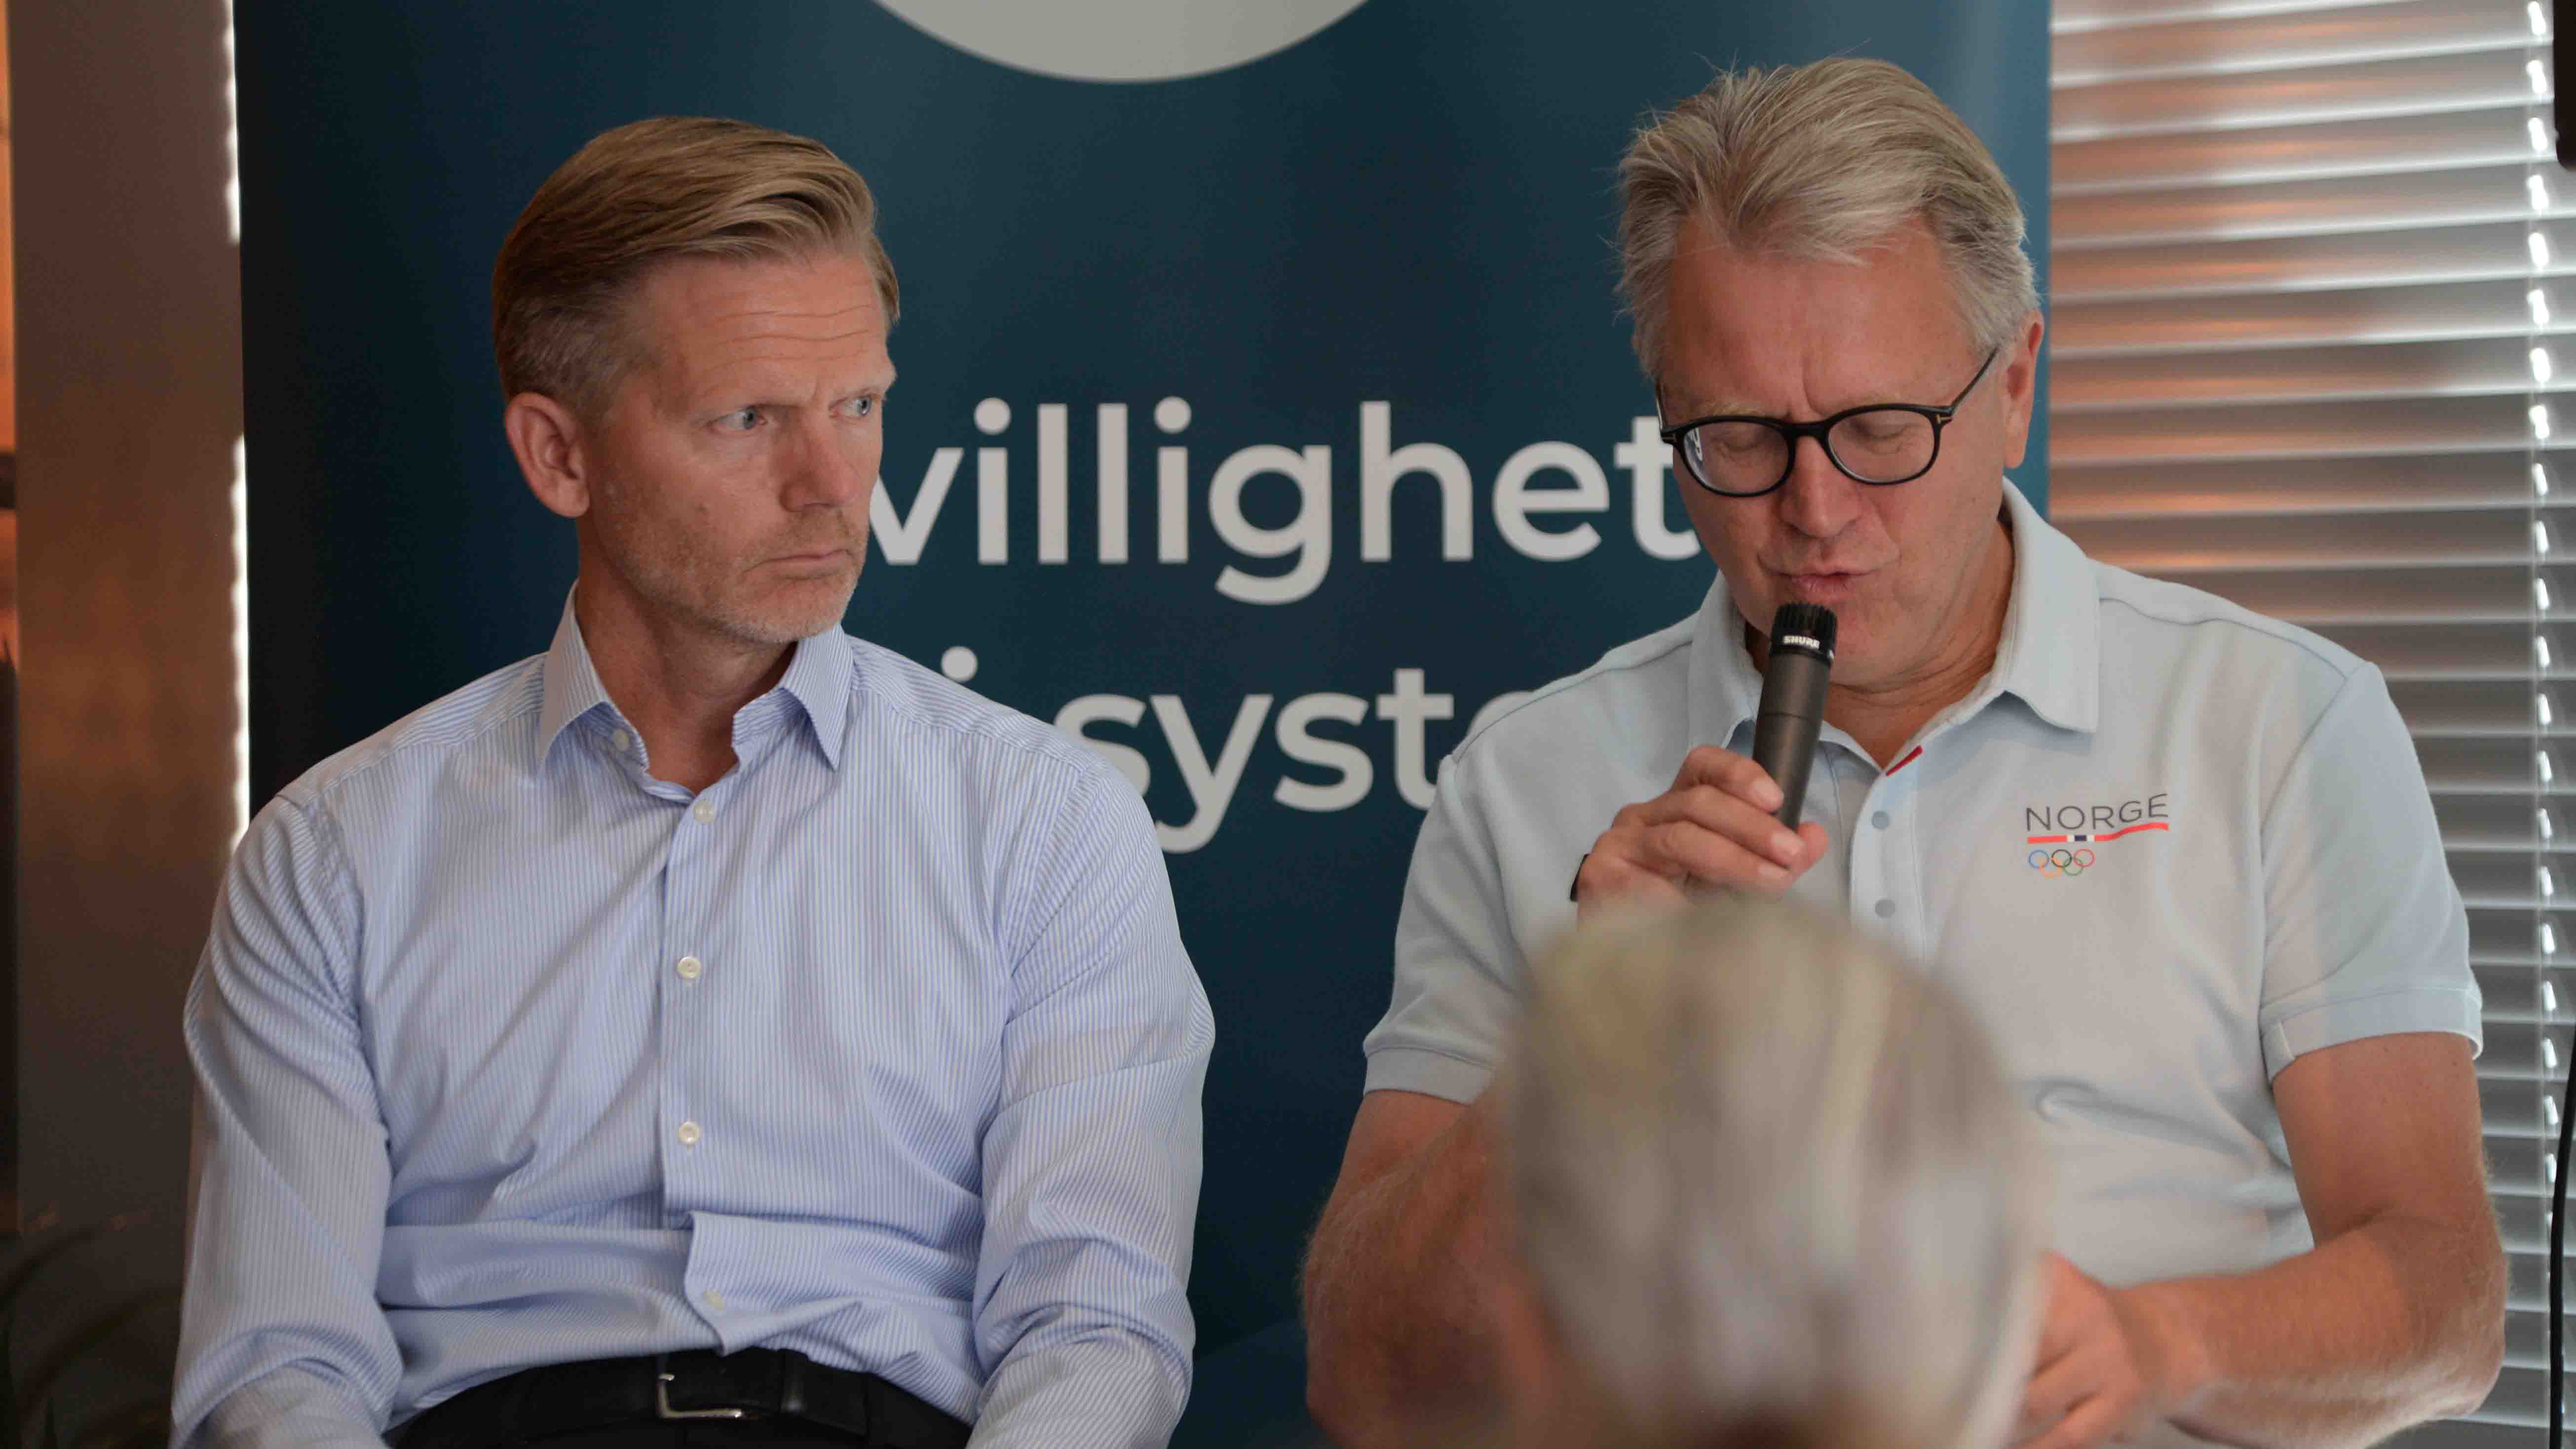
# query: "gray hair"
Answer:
x=1820 y=162
x=1771 y=1186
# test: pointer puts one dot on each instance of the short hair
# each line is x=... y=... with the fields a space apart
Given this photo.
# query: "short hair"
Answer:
x=650 y=192
x=1820 y=162
x=1770 y=1185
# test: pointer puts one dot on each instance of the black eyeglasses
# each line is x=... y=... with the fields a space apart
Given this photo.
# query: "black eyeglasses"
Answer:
x=1741 y=456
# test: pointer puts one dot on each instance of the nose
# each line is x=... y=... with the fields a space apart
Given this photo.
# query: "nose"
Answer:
x=831 y=466
x=1819 y=500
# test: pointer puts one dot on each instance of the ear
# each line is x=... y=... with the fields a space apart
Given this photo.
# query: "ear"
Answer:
x=2021 y=388
x=551 y=448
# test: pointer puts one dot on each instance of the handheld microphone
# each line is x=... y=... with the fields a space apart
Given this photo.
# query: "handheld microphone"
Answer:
x=1793 y=700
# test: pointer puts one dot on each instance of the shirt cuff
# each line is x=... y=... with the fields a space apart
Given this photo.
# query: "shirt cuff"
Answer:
x=2423 y=1008
x=1433 y=1074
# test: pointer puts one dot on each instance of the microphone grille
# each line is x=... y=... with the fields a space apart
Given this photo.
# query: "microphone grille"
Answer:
x=1797 y=623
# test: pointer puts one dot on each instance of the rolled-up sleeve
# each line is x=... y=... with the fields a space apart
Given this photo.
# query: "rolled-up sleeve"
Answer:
x=1091 y=1164
x=2367 y=935
x=281 y=1340
x=1457 y=964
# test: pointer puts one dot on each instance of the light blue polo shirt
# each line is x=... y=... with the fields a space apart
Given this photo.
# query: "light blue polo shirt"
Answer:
x=2165 y=847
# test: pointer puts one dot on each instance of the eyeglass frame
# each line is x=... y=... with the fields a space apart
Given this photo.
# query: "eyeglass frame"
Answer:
x=1940 y=417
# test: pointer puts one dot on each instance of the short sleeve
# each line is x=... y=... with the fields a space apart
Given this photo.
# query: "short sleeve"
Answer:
x=1458 y=965
x=2365 y=932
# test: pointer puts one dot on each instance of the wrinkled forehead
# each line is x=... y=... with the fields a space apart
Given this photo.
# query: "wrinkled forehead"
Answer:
x=696 y=316
x=1779 y=334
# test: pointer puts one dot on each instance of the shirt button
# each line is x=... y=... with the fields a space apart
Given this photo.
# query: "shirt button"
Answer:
x=689 y=968
x=1879 y=820
x=689 y=1133
x=715 y=1300
x=1886 y=909
x=705 y=810
x=623 y=741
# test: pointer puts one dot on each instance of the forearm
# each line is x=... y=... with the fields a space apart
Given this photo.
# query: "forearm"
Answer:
x=1399 y=1291
x=2397 y=1321
x=1106 y=1389
x=289 y=1409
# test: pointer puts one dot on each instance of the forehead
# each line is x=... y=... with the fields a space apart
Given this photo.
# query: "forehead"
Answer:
x=700 y=315
x=1760 y=332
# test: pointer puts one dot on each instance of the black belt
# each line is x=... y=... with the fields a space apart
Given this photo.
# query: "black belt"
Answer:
x=695 y=1385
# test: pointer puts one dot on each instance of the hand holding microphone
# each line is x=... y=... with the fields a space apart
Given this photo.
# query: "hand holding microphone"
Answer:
x=1728 y=821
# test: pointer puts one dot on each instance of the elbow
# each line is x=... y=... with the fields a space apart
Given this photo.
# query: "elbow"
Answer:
x=1330 y=1402
x=1331 y=1399
x=2471 y=1354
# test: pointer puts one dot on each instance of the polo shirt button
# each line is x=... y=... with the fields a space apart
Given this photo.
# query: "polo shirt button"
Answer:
x=622 y=740
x=1879 y=820
x=705 y=810
x=689 y=968
x=1886 y=909
x=715 y=1300
x=689 y=1134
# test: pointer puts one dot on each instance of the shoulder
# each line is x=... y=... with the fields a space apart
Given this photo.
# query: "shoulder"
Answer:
x=2183 y=614
x=428 y=736
x=1638 y=684
x=925 y=709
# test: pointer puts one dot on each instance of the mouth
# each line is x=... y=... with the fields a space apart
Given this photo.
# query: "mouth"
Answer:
x=829 y=558
x=1821 y=586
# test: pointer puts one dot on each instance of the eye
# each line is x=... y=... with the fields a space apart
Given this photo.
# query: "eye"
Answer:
x=860 y=407
x=740 y=420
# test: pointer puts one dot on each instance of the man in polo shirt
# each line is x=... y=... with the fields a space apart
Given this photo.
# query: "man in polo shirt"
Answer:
x=2178 y=857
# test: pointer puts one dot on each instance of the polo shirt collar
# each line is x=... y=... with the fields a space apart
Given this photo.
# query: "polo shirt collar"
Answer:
x=2049 y=656
x=818 y=678
x=2051 y=653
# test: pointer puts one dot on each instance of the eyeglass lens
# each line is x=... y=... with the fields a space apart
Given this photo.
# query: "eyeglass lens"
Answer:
x=1882 y=445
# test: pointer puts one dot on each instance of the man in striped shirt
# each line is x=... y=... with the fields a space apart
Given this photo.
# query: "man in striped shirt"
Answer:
x=716 y=1028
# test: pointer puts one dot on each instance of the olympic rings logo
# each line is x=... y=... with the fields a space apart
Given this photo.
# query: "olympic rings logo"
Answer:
x=2061 y=861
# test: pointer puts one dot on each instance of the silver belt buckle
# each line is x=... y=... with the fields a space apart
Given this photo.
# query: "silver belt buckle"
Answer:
x=662 y=1409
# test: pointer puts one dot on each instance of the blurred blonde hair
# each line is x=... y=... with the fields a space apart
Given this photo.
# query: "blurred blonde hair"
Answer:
x=1770 y=1186
x=645 y=193
x=1820 y=162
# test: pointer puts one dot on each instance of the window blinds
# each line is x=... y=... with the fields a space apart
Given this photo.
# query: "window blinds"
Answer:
x=2314 y=322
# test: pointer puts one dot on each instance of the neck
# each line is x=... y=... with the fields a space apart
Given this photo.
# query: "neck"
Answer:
x=1885 y=715
x=678 y=687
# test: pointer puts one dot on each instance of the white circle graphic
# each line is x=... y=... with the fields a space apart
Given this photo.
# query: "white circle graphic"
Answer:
x=1121 y=40
x=959 y=663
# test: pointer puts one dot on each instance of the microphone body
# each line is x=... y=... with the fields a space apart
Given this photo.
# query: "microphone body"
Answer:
x=1793 y=701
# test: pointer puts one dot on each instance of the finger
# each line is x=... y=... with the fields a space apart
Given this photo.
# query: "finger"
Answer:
x=2089 y=1424
x=1729 y=816
x=1607 y=878
x=1731 y=772
x=2055 y=1389
x=1813 y=837
x=1712 y=858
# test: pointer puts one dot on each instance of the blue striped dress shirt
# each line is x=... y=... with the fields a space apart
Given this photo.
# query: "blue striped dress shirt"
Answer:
x=883 y=1048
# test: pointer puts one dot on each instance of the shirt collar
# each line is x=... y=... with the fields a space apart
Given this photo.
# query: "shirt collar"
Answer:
x=2049 y=655
x=818 y=678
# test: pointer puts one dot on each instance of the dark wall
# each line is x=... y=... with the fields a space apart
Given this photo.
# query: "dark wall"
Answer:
x=1413 y=207
x=128 y=323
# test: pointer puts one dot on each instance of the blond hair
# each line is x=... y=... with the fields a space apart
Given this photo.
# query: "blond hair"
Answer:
x=1820 y=162
x=649 y=192
x=1770 y=1185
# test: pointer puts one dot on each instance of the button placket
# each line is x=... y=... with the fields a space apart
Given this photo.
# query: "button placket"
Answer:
x=680 y=1015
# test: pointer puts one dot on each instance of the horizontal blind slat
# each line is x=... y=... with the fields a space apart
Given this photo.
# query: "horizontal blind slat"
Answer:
x=2117 y=487
x=2377 y=145
x=2327 y=93
x=2432 y=312
x=2305 y=38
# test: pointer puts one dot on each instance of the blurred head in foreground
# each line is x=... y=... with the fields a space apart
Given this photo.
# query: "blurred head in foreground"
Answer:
x=1770 y=1190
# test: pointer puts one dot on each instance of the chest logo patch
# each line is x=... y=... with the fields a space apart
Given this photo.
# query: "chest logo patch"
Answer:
x=2060 y=838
